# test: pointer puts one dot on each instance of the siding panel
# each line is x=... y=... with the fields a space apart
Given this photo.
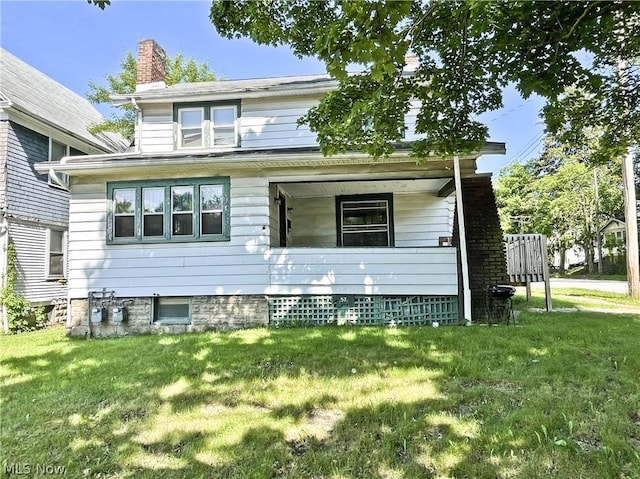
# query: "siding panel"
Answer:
x=237 y=266
x=420 y=271
x=30 y=241
x=28 y=193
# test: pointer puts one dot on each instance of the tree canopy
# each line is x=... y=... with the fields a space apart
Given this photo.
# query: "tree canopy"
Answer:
x=178 y=69
x=466 y=51
x=561 y=194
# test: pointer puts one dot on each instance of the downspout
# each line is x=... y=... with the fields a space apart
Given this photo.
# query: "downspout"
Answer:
x=466 y=291
x=4 y=243
x=138 y=127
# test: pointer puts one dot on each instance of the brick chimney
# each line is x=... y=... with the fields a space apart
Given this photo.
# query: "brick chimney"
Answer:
x=151 y=65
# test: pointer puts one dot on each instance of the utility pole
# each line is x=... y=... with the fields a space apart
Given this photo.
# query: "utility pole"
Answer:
x=631 y=222
x=629 y=192
x=628 y=185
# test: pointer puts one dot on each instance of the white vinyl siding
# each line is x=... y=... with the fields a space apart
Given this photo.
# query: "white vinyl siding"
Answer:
x=247 y=265
x=234 y=267
x=157 y=129
x=419 y=220
x=261 y=123
x=273 y=123
x=390 y=271
x=317 y=230
x=30 y=242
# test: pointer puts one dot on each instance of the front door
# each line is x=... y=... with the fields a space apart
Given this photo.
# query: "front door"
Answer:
x=282 y=215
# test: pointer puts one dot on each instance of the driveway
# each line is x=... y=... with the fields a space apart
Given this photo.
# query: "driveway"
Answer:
x=598 y=284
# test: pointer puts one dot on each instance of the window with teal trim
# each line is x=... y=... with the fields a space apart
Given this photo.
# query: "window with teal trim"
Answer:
x=160 y=211
x=207 y=125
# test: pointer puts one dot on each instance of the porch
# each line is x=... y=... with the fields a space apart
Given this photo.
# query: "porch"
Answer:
x=393 y=286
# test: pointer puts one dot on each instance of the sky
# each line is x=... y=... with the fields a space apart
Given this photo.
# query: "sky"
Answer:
x=75 y=43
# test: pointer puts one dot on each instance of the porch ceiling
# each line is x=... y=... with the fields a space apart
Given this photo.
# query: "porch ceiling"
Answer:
x=336 y=188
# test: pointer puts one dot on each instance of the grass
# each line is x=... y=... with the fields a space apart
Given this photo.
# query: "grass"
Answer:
x=582 y=299
x=556 y=396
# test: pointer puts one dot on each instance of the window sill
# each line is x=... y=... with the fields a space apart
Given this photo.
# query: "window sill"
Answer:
x=172 y=322
x=168 y=241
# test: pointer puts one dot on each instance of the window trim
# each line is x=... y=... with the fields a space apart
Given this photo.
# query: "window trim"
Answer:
x=207 y=123
x=388 y=197
x=178 y=119
x=63 y=176
x=167 y=185
x=155 y=318
x=48 y=252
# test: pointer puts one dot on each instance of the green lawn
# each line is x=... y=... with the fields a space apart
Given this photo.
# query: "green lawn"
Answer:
x=582 y=299
x=556 y=396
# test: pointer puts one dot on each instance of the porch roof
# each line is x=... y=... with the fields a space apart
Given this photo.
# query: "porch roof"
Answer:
x=245 y=159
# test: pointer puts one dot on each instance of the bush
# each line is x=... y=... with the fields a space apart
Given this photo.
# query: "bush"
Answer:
x=21 y=315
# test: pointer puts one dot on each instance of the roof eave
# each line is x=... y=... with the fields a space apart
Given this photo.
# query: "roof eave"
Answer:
x=91 y=164
x=164 y=96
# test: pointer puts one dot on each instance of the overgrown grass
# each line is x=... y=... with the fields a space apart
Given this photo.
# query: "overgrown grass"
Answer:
x=556 y=396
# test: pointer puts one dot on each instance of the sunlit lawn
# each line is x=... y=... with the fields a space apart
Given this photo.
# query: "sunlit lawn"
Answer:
x=581 y=299
x=556 y=396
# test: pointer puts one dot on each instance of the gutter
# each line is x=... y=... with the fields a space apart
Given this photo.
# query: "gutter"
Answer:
x=239 y=159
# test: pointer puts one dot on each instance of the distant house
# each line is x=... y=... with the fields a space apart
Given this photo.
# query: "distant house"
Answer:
x=227 y=215
x=40 y=122
x=614 y=235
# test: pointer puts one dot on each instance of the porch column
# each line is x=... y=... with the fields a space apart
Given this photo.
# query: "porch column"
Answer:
x=466 y=290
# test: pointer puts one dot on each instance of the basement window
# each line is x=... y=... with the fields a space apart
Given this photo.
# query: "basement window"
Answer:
x=172 y=310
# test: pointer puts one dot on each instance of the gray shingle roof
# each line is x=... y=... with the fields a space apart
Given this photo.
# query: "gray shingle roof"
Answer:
x=288 y=85
x=35 y=94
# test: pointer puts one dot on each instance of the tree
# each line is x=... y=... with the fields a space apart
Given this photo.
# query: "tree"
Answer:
x=467 y=53
x=555 y=195
x=178 y=69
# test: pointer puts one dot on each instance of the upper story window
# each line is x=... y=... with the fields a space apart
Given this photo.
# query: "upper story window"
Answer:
x=191 y=124
x=57 y=151
x=169 y=210
x=207 y=125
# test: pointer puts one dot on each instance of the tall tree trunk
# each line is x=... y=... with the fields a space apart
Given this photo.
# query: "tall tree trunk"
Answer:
x=563 y=259
x=588 y=251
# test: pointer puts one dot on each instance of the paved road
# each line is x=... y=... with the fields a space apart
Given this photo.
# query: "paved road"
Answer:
x=598 y=284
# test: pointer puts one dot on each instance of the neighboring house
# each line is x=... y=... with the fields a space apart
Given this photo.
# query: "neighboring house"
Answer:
x=40 y=122
x=227 y=215
x=614 y=235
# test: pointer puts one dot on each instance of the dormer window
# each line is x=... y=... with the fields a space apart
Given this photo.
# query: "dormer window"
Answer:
x=207 y=125
x=190 y=123
x=224 y=126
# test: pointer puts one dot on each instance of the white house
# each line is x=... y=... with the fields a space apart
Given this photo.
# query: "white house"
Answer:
x=227 y=215
x=41 y=121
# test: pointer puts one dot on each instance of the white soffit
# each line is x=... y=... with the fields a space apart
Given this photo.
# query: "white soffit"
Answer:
x=336 y=188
